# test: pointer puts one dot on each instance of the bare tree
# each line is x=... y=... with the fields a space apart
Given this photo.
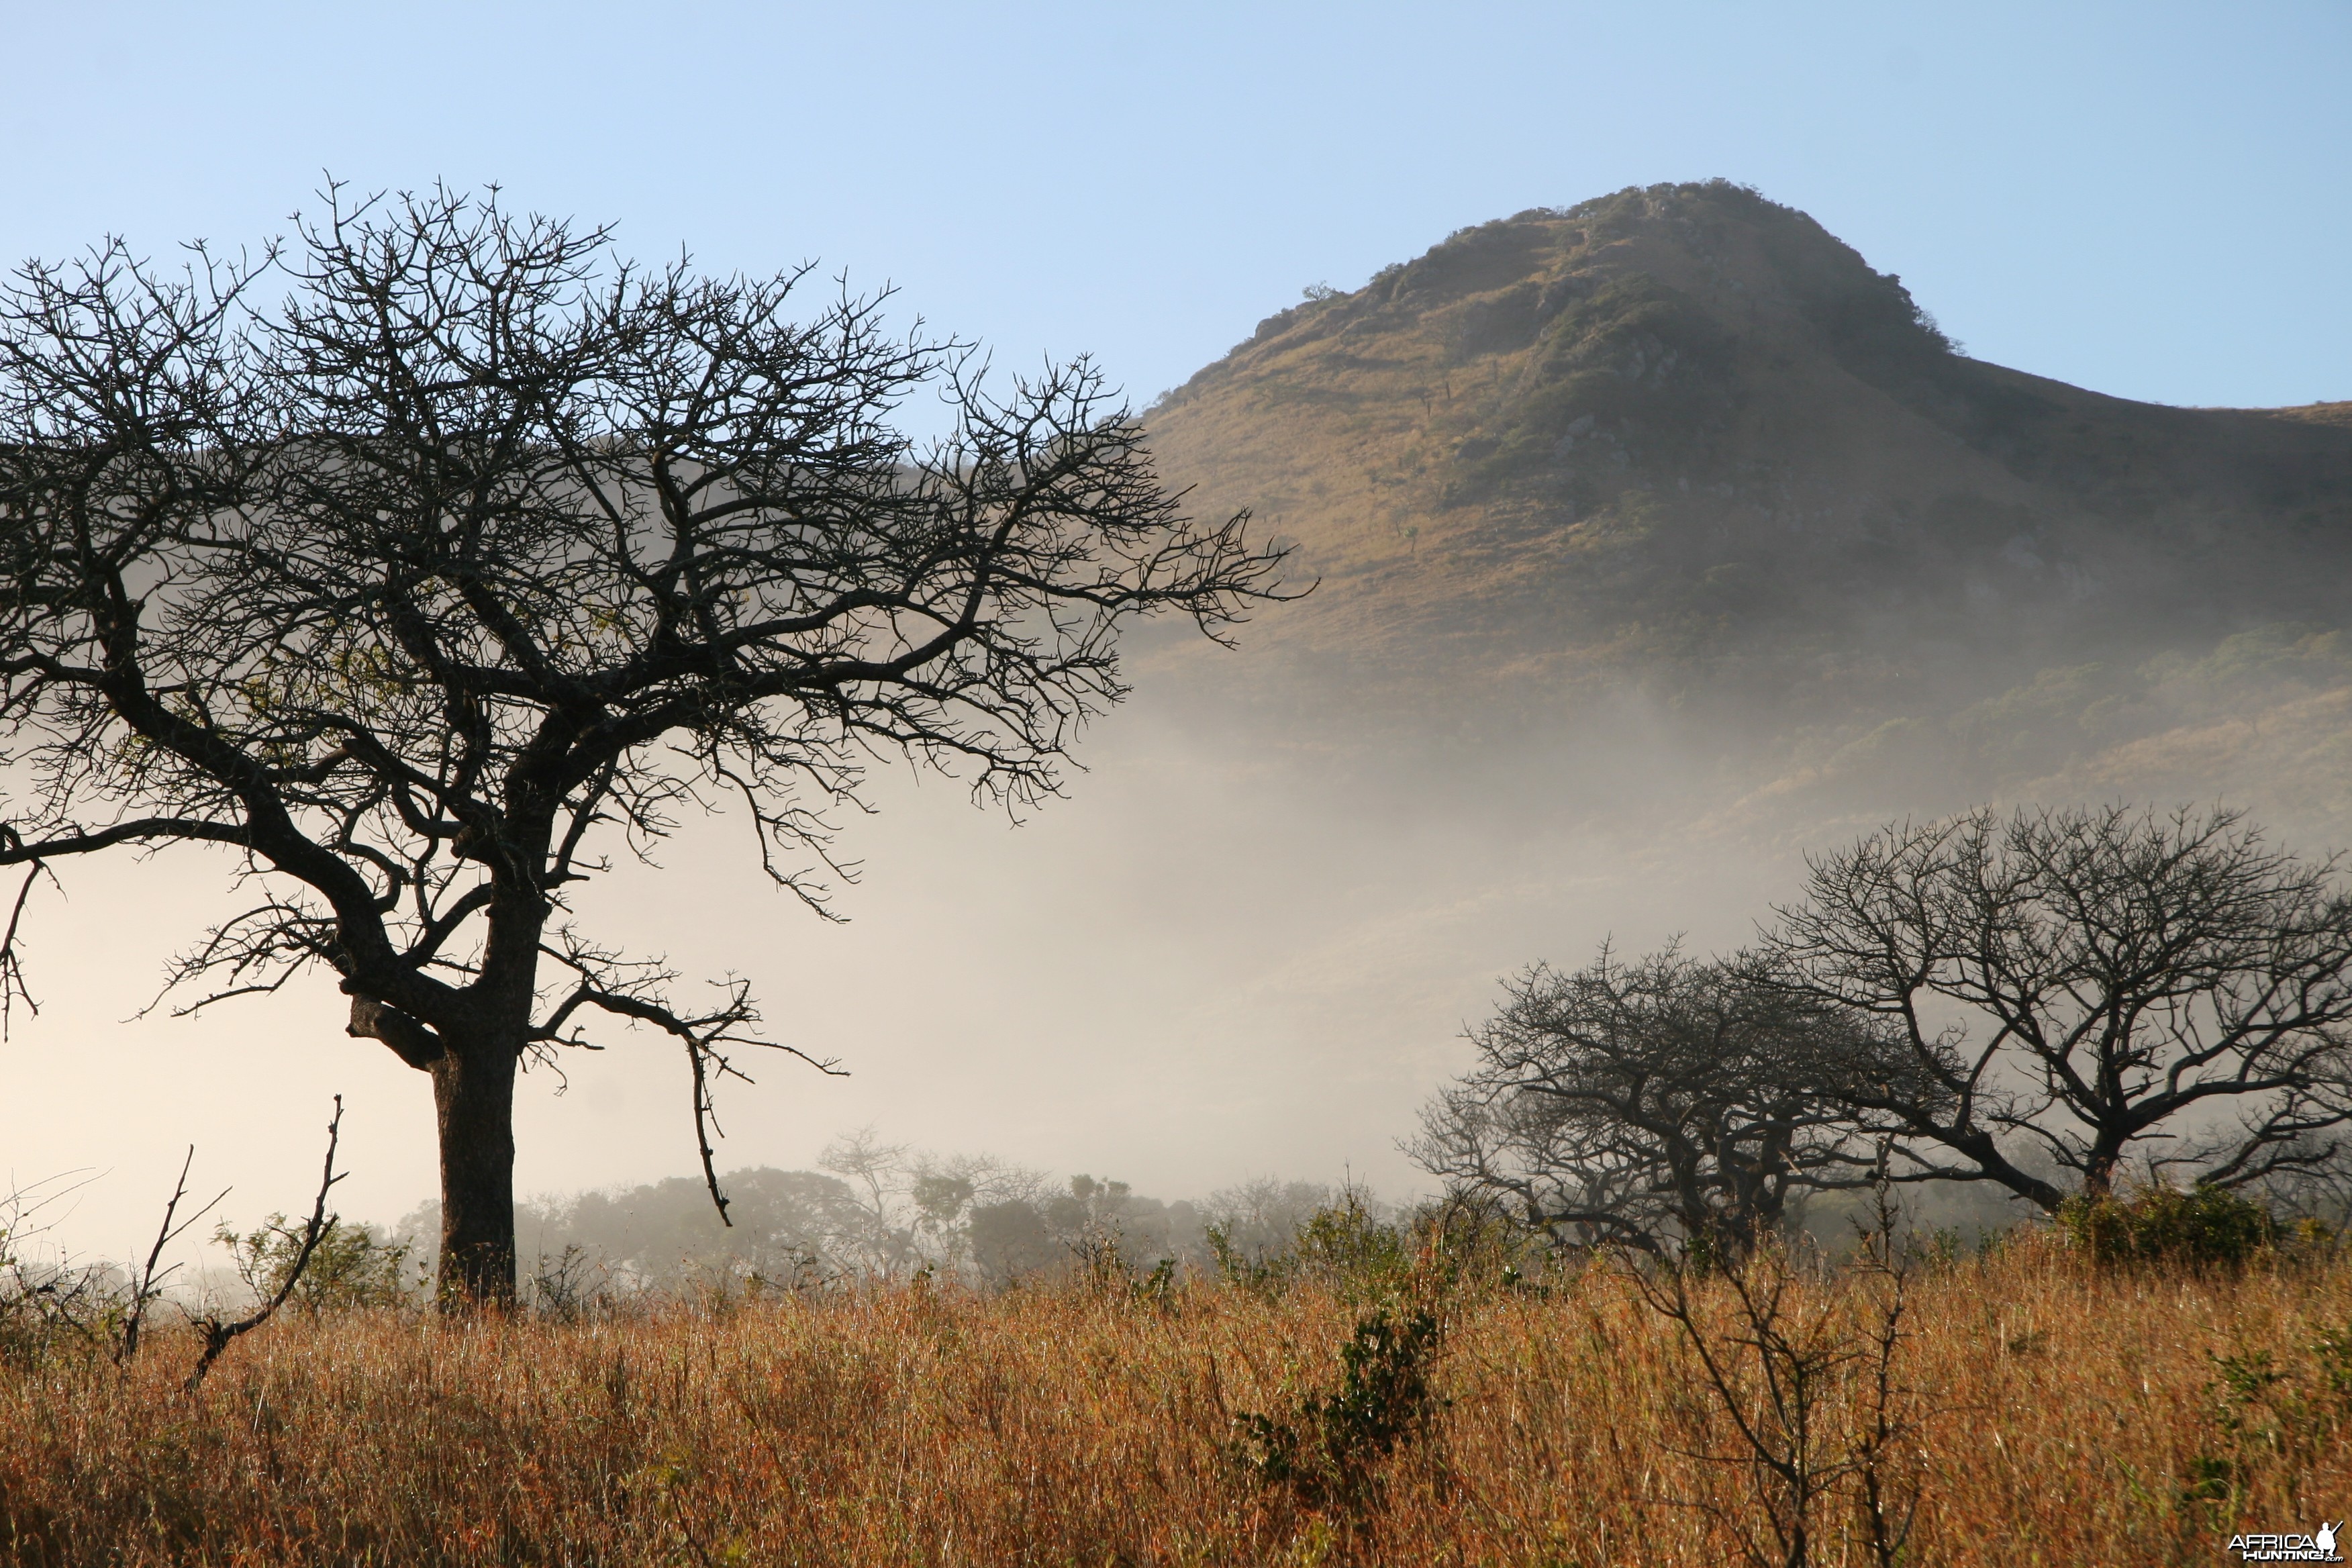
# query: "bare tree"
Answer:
x=1803 y=1370
x=2094 y=984
x=482 y=554
x=1660 y=1104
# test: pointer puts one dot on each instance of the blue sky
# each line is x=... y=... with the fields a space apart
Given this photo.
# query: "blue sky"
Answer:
x=2154 y=200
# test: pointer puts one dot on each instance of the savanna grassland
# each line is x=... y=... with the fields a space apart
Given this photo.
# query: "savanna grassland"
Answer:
x=2038 y=1410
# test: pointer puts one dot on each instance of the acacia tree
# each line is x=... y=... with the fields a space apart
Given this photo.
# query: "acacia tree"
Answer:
x=1661 y=1103
x=2097 y=985
x=426 y=589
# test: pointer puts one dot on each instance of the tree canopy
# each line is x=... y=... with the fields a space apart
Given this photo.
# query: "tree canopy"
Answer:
x=462 y=565
x=1659 y=1103
x=2035 y=1001
x=2062 y=990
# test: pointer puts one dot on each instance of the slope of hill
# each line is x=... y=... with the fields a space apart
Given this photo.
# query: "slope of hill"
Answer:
x=1682 y=441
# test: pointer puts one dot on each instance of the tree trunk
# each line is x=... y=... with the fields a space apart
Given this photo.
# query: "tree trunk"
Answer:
x=2099 y=1177
x=473 y=1097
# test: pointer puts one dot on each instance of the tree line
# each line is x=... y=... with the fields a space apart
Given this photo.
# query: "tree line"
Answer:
x=2047 y=1004
x=874 y=1212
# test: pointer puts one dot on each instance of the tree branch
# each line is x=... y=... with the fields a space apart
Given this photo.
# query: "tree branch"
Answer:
x=217 y=1334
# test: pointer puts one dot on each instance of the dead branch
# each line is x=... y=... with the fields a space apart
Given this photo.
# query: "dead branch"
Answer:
x=629 y=991
x=12 y=965
x=147 y=1284
x=218 y=1335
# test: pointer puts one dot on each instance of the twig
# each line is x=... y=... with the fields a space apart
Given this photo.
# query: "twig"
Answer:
x=147 y=1284
x=705 y=1121
x=1890 y=1501
x=218 y=1335
x=12 y=964
x=1776 y=1421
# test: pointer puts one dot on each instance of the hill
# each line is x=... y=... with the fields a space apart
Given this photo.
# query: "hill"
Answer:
x=1682 y=442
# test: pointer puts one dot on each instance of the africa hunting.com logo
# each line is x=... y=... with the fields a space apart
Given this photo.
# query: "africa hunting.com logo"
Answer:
x=2316 y=1547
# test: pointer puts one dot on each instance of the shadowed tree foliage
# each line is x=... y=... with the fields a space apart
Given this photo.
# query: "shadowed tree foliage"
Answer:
x=2094 y=984
x=1657 y=1103
x=426 y=590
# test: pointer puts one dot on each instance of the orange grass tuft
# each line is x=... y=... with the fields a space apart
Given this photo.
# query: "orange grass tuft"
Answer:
x=2066 y=1414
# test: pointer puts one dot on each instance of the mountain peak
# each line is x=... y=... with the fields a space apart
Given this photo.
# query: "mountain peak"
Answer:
x=1684 y=428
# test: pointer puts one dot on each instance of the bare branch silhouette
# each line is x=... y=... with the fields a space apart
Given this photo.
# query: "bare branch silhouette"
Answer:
x=147 y=1284
x=219 y=1333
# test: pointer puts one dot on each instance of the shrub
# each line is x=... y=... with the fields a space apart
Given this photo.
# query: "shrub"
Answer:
x=1326 y=1450
x=1238 y=1266
x=1108 y=1272
x=1352 y=1249
x=351 y=1266
x=49 y=1307
x=2202 y=1227
x=1344 y=1245
x=1468 y=1240
x=2272 y=1412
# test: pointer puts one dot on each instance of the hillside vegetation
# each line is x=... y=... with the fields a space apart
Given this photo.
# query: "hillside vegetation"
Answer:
x=1683 y=442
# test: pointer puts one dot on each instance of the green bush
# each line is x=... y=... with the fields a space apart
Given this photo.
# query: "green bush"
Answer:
x=1344 y=1245
x=51 y=1308
x=1326 y=1450
x=2202 y=1227
x=351 y=1267
x=1351 y=1249
x=1468 y=1241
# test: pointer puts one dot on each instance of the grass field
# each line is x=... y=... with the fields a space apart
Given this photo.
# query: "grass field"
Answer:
x=2044 y=1412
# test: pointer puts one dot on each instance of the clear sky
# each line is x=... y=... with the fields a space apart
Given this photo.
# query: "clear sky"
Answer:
x=2153 y=200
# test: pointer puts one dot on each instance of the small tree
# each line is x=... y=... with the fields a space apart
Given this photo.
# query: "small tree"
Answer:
x=1659 y=1103
x=480 y=553
x=2094 y=984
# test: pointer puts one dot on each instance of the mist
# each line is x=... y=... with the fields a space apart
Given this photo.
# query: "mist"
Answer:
x=1244 y=944
x=1221 y=956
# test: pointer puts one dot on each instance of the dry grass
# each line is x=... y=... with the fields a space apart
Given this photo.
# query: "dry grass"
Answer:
x=2065 y=1412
